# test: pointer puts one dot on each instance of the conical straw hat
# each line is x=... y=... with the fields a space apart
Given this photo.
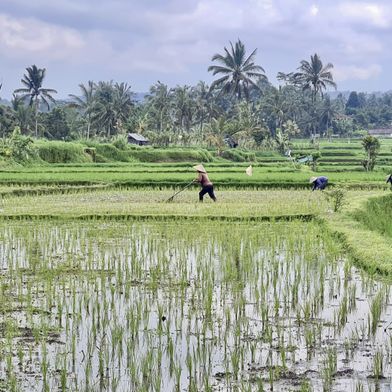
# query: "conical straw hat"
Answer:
x=199 y=168
x=249 y=170
x=312 y=179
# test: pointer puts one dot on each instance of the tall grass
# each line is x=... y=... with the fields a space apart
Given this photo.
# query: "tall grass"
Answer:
x=377 y=215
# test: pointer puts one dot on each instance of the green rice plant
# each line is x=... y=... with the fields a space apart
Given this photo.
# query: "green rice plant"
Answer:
x=329 y=367
x=359 y=387
x=306 y=386
x=375 y=310
x=378 y=365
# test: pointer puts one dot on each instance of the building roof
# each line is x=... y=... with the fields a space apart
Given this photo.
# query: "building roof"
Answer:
x=137 y=137
x=380 y=131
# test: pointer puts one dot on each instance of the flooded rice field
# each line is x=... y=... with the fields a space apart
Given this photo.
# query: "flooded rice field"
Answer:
x=187 y=306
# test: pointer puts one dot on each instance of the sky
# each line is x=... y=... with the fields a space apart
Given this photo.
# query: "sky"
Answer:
x=143 y=41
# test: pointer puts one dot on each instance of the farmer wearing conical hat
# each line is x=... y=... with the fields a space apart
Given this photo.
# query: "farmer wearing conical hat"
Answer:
x=206 y=184
x=319 y=182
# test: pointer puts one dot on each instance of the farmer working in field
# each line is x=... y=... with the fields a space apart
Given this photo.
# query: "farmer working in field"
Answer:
x=206 y=184
x=389 y=179
x=319 y=182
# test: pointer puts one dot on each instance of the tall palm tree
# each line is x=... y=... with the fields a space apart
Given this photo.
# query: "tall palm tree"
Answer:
x=112 y=106
x=159 y=101
x=314 y=76
x=85 y=103
x=183 y=107
x=240 y=72
x=34 y=91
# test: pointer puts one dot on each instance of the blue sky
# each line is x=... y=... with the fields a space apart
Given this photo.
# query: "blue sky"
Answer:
x=140 y=42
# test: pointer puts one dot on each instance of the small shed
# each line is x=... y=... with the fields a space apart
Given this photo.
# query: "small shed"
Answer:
x=135 y=138
x=380 y=132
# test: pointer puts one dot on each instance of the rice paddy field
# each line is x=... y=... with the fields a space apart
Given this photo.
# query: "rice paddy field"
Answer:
x=106 y=286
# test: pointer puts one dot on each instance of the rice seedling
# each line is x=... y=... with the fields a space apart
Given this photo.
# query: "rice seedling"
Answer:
x=173 y=305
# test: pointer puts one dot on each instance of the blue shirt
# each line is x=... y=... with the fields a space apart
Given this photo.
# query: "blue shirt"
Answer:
x=320 y=183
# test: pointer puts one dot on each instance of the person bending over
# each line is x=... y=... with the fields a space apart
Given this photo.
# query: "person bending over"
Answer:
x=204 y=181
x=319 y=183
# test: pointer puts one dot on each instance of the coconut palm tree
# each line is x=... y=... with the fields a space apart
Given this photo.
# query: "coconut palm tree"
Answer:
x=183 y=106
x=112 y=106
x=314 y=76
x=34 y=92
x=159 y=102
x=85 y=103
x=240 y=72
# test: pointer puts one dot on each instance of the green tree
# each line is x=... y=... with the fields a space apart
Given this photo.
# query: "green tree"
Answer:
x=329 y=110
x=240 y=72
x=216 y=134
x=159 y=101
x=282 y=141
x=372 y=146
x=183 y=107
x=23 y=114
x=352 y=103
x=56 y=126
x=314 y=76
x=85 y=103
x=34 y=92
x=112 y=107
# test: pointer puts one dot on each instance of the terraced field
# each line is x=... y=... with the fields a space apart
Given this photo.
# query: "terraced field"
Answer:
x=104 y=285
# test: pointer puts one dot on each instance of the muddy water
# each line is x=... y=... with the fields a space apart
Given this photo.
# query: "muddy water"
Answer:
x=187 y=306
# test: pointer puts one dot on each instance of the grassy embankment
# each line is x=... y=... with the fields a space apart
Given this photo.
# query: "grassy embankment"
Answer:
x=364 y=227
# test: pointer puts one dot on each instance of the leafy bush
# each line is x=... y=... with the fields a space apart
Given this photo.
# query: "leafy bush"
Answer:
x=372 y=146
x=17 y=147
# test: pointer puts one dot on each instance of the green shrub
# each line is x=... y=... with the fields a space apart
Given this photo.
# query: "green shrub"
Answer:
x=17 y=147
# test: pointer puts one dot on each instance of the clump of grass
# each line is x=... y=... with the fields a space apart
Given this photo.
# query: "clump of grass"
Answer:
x=337 y=198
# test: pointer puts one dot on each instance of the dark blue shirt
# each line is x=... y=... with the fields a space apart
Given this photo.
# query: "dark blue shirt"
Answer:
x=320 y=183
x=389 y=179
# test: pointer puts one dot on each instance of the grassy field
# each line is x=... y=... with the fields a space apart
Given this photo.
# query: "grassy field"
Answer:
x=106 y=286
x=166 y=176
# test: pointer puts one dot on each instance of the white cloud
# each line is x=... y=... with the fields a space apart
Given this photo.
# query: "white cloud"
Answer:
x=314 y=10
x=374 y=14
x=26 y=37
x=149 y=40
x=354 y=72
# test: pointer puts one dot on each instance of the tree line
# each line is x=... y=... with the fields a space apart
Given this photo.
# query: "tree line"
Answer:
x=240 y=107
